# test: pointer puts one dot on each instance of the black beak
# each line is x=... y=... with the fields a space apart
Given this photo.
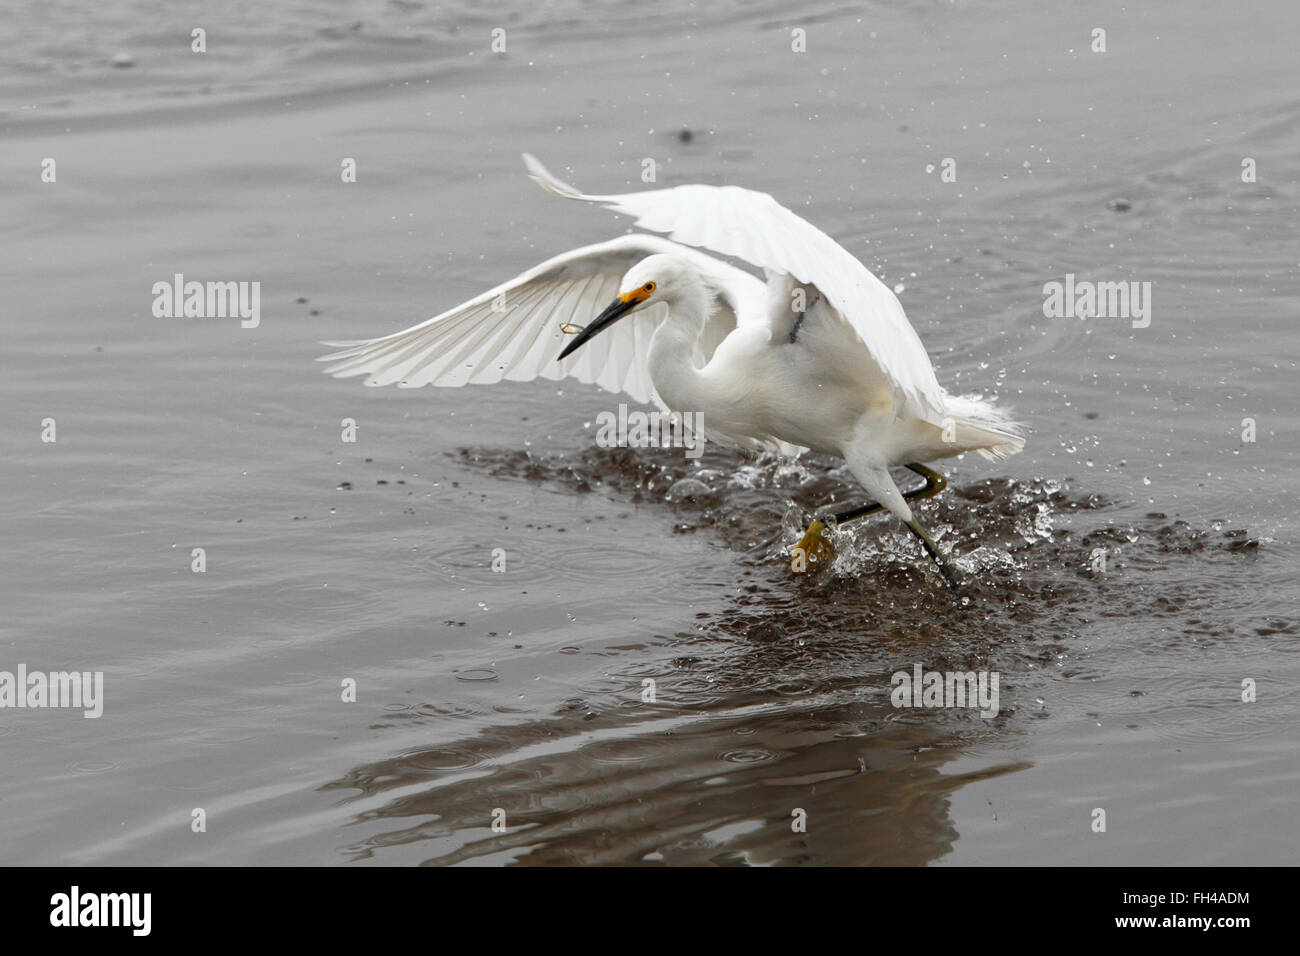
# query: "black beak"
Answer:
x=617 y=309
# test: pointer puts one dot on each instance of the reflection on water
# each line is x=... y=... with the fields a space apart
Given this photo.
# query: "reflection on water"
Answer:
x=699 y=787
x=1128 y=574
x=779 y=704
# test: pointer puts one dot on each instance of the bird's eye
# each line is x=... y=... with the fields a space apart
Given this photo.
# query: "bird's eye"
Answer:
x=649 y=287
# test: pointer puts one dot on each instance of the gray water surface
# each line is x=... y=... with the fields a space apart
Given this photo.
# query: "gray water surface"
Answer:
x=521 y=691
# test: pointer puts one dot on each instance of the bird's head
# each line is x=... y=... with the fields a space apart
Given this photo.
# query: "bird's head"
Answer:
x=658 y=278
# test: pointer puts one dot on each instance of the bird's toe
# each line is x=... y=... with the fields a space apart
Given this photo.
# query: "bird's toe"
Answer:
x=813 y=551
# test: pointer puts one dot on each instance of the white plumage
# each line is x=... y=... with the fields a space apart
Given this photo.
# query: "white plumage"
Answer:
x=820 y=355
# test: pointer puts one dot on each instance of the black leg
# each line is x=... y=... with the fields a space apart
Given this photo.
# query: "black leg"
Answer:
x=814 y=548
x=947 y=570
x=934 y=484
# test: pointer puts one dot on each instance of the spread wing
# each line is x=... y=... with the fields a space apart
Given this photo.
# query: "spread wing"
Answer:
x=513 y=331
x=756 y=228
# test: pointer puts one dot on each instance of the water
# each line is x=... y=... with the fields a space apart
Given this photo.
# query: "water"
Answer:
x=522 y=692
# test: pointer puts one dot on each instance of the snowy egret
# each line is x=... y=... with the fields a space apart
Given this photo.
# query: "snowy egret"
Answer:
x=820 y=356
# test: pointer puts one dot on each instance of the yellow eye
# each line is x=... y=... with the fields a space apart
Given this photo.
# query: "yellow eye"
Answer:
x=649 y=287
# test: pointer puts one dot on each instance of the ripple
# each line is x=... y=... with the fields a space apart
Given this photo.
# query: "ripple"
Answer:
x=623 y=751
x=472 y=564
x=746 y=756
x=589 y=561
x=454 y=710
x=475 y=674
x=94 y=766
x=448 y=759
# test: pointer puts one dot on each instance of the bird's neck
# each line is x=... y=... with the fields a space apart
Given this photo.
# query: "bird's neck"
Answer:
x=676 y=378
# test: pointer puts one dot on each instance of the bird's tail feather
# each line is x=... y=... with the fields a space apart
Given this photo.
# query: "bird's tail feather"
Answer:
x=984 y=428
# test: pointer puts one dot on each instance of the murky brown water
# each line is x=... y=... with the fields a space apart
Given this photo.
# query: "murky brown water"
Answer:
x=522 y=691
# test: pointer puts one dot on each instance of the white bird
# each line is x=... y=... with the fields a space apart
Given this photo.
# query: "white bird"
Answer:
x=820 y=356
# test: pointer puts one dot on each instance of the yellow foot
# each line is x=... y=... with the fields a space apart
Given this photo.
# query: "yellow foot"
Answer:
x=813 y=550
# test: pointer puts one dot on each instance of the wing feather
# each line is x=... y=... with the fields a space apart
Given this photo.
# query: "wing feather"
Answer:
x=753 y=226
x=513 y=332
